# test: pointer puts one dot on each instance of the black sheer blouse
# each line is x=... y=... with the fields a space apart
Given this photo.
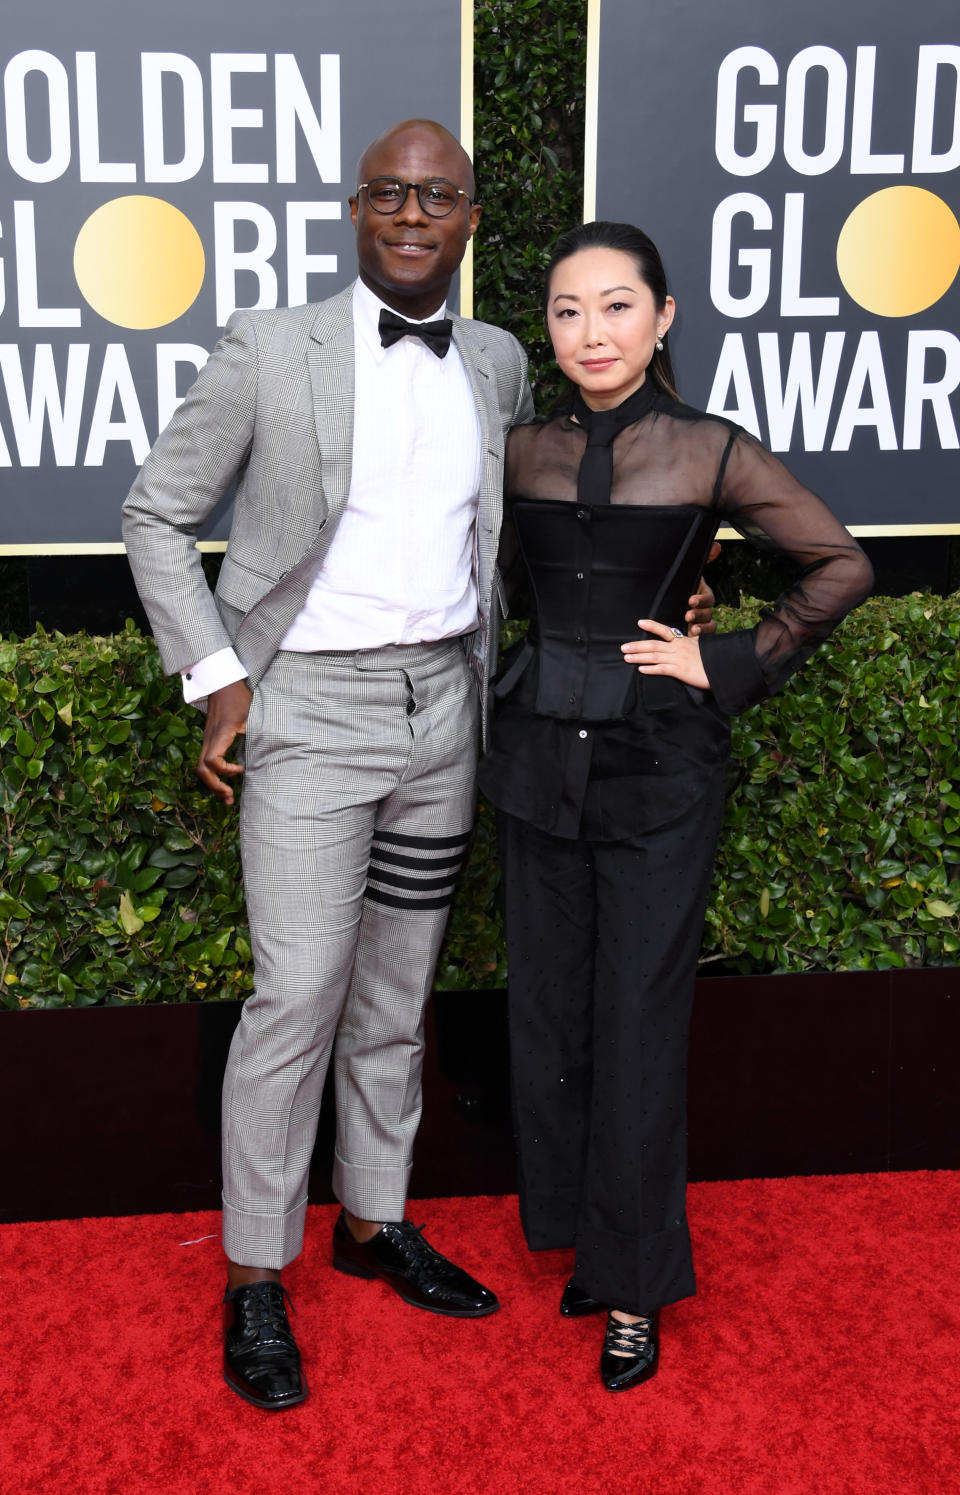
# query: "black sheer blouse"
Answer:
x=676 y=457
x=582 y=743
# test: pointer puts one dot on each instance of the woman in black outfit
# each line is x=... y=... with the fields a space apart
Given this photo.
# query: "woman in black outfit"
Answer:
x=607 y=768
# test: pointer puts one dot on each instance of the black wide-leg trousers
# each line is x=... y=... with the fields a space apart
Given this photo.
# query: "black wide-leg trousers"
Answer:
x=602 y=941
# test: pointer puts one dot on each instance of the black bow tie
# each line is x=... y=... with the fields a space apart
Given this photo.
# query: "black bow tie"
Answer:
x=436 y=335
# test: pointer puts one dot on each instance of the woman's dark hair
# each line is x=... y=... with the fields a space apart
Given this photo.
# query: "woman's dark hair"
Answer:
x=645 y=255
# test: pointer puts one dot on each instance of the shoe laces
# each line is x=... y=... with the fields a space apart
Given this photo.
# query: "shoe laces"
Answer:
x=262 y=1307
x=628 y=1339
x=417 y=1250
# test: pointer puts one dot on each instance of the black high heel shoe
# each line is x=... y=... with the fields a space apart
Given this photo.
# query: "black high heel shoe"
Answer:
x=576 y=1304
x=638 y=1347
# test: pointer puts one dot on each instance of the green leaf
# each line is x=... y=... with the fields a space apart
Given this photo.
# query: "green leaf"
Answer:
x=11 y=908
x=178 y=840
x=939 y=909
x=161 y=857
x=127 y=916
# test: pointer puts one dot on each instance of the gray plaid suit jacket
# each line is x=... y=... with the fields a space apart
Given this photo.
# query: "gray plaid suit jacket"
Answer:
x=273 y=409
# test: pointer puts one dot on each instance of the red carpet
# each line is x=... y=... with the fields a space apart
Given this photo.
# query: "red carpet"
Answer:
x=821 y=1357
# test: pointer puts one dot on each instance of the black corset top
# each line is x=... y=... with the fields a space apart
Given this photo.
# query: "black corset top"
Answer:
x=594 y=569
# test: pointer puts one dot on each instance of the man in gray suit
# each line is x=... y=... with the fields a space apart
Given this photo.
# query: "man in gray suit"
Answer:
x=356 y=600
x=355 y=615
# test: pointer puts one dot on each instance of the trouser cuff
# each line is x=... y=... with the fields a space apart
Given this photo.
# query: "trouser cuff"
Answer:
x=263 y=1240
x=371 y=1191
x=636 y=1273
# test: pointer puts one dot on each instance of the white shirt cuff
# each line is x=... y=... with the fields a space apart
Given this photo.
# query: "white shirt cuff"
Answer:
x=212 y=673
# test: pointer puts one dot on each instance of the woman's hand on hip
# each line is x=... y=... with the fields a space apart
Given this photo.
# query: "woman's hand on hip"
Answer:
x=666 y=653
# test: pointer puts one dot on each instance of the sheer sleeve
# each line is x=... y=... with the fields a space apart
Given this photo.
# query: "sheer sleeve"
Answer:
x=759 y=497
x=520 y=450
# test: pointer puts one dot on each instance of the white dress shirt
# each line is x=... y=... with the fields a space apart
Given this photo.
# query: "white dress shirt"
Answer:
x=400 y=567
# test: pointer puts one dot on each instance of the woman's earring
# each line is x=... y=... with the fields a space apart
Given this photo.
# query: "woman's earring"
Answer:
x=659 y=344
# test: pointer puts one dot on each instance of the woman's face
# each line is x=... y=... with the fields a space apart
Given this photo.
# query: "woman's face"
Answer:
x=604 y=324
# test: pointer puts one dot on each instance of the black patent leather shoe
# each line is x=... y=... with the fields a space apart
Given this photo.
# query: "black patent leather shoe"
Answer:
x=576 y=1304
x=399 y=1256
x=261 y=1361
x=639 y=1353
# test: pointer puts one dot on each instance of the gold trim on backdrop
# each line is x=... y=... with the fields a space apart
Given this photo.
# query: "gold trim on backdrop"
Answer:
x=592 y=112
x=466 y=138
x=211 y=547
x=877 y=531
x=80 y=547
x=93 y=547
x=874 y=531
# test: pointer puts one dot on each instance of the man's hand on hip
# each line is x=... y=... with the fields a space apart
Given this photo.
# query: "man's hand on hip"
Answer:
x=226 y=720
x=703 y=602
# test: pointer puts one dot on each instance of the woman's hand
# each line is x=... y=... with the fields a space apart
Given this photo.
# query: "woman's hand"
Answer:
x=667 y=653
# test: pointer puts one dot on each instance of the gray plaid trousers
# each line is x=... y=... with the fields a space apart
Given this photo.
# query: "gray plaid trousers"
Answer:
x=357 y=804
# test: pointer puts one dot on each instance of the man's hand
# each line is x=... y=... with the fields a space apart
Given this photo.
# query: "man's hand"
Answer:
x=226 y=720
x=703 y=602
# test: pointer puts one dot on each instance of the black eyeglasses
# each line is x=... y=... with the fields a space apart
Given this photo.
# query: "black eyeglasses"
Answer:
x=437 y=198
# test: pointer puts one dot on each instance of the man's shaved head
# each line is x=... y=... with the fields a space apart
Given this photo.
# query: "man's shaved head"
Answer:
x=407 y=256
x=424 y=129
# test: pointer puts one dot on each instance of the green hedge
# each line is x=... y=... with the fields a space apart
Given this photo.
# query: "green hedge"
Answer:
x=120 y=878
x=529 y=84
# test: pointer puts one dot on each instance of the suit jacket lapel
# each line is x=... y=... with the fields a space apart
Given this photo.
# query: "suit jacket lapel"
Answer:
x=330 y=359
x=469 y=342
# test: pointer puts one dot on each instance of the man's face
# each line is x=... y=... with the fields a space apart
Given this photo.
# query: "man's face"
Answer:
x=408 y=258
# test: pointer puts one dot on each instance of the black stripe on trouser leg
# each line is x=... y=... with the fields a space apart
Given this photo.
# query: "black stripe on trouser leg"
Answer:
x=375 y=896
x=421 y=884
x=393 y=860
x=422 y=843
x=401 y=890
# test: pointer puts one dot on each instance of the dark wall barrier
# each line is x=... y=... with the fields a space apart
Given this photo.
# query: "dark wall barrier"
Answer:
x=117 y=1112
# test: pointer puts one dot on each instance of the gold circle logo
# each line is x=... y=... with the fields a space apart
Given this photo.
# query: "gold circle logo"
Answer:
x=139 y=262
x=899 y=251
